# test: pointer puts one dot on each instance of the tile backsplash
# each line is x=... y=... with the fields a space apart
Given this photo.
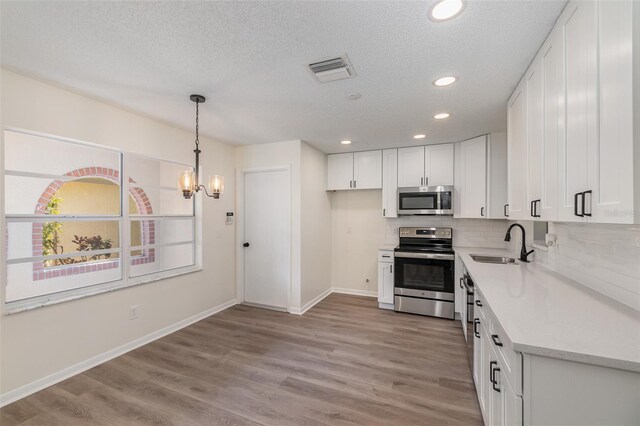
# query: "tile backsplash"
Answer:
x=466 y=232
x=605 y=258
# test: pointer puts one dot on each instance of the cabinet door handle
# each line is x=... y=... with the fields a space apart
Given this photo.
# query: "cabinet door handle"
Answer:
x=535 y=208
x=476 y=333
x=355 y=183
x=384 y=212
x=584 y=197
x=494 y=384
x=482 y=211
x=421 y=181
x=391 y=269
x=491 y=364
x=461 y=282
x=506 y=214
x=426 y=181
x=575 y=204
x=350 y=184
x=531 y=209
x=496 y=340
x=478 y=303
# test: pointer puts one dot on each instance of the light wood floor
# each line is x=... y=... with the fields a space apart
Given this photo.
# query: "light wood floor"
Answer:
x=345 y=362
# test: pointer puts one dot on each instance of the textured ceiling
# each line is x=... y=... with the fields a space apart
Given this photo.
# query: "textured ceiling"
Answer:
x=249 y=59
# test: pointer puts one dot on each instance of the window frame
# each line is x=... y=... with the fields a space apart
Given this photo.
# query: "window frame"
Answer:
x=124 y=224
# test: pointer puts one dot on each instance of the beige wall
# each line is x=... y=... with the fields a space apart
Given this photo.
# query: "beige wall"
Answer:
x=37 y=343
x=358 y=230
x=315 y=225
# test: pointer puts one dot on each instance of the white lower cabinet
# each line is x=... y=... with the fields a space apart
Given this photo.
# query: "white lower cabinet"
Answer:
x=499 y=403
x=523 y=389
x=385 y=279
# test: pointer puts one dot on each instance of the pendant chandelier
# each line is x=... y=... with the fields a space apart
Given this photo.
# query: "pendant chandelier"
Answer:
x=188 y=182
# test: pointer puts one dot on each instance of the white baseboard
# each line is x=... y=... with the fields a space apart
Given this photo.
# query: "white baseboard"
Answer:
x=311 y=304
x=52 y=379
x=354 y=291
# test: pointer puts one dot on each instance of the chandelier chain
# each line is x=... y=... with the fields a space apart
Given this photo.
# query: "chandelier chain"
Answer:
x=197 y=124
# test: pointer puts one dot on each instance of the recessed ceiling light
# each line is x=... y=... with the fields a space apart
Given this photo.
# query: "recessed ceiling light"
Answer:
x=420 y=136
x=444 y=81
x=345 y=142
x=446 y=9
x=441 y=116
x=354 y=96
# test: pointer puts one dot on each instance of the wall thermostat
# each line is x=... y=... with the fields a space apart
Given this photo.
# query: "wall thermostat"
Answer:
x=229 y=219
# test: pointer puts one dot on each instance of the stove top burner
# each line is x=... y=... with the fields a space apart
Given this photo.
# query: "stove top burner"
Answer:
x=425 y=240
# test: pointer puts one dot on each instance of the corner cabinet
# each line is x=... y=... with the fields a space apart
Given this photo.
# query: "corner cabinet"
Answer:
x=572 y=139
x=480 y=177
x=385 y=279
x=354 y=170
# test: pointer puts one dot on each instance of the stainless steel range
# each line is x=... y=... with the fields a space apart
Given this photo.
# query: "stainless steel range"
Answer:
x=424 y=272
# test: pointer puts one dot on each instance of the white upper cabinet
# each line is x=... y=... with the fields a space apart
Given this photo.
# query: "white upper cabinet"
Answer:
x=546 y=176
x=471 y=178
x=390 y=183
x=517 y=153
x=497 y=203
x=411 y=166
x=425 y=165
x=367 y=170
x=574 y=113
x=438 y=164
x=359 y=170
x=535 y=137
x=340 y=171
x=578 y=25
x=613 y=177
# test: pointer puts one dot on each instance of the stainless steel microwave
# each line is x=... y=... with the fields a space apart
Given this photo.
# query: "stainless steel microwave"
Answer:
x=426 y=200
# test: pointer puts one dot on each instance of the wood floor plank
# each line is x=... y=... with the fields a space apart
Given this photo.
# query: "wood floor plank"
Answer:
x=345 y=362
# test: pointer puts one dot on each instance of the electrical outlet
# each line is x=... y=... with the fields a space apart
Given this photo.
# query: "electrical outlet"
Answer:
x=133 y=312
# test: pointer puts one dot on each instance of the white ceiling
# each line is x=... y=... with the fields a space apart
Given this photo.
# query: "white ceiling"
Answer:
x=249 y=59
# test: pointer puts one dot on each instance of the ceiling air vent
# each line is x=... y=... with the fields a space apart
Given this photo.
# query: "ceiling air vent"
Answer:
x=332 y=69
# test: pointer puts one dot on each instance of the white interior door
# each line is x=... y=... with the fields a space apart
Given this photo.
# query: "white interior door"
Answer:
x=267 y=238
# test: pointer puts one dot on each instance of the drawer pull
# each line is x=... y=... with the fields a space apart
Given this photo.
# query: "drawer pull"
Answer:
x=478 y=303
x=496 y=340
x=386 y=255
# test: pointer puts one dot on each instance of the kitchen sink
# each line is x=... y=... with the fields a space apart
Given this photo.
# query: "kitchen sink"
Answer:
x=500 y=260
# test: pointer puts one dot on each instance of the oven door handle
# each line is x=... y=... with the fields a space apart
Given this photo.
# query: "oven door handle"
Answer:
x=409 y=255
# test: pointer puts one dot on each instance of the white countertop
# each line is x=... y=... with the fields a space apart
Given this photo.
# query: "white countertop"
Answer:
x=387 y=247
x=544 y=313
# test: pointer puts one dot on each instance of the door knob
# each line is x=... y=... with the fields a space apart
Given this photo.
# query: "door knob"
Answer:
x=245 y=245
